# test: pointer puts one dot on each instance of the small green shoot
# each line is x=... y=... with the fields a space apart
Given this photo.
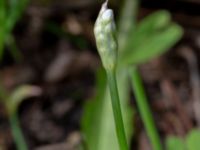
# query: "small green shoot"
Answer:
x=12 y=102
x=190 y=142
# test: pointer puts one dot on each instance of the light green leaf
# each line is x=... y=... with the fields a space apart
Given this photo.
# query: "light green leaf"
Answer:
x=149 y=25
x=154 y=35
x=152 y=45
x=98 y=122
x=192 y=140
x=153 y=22
x=175 y=143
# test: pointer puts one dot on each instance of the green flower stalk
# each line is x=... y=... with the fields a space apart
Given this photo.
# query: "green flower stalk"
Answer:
x=105 y=34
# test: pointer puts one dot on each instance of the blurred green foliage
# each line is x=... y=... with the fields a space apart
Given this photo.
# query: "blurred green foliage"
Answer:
x=10 y=13
x=174 y=143
x=190 y=142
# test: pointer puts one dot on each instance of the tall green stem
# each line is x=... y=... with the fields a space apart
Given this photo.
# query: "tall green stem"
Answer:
x=117 y=110
x=144 y=109
x=17 y=132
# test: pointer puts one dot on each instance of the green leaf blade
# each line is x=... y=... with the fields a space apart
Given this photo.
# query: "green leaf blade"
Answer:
x=154 y=35
x=152 y=46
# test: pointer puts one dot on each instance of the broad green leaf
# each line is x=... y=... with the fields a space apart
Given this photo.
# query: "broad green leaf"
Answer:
x=153 y=22
x=193 y=140
x=152 y=45
x=149 y=25
x=98 y=122
x=175 y=143
x=146 y=27
x=152 y=36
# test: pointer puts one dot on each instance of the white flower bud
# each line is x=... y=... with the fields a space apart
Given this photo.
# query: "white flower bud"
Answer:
x=105 y=31
x=108 y=15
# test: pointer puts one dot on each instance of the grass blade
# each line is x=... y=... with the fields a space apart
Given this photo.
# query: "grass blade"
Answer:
x=144 y=109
